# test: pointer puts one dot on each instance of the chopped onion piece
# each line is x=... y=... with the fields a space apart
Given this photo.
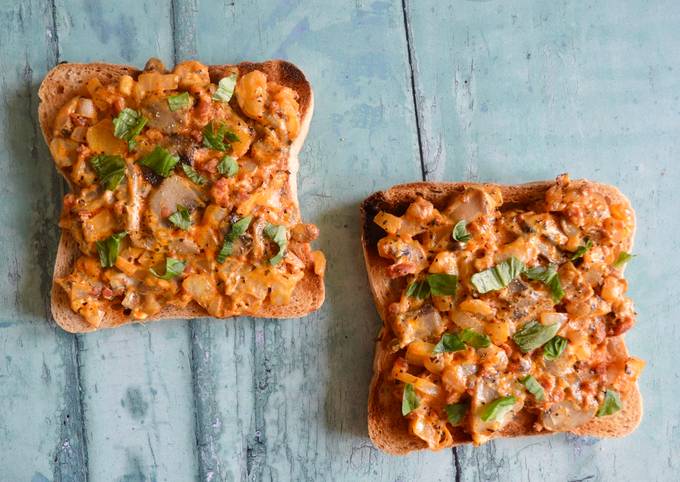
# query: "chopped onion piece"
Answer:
x=86 y=108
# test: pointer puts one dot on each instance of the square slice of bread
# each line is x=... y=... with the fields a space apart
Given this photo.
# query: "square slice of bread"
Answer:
x=387 y=427
x=69 y=79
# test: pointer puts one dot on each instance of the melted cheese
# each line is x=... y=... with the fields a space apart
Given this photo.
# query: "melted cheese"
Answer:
x=593 y=309
x=262 y=120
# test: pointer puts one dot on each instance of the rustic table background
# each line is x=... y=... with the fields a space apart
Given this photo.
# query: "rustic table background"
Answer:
x=505 y=91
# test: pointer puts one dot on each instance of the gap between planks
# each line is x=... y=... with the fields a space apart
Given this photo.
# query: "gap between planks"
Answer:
x=424 y=173
x=66 y=464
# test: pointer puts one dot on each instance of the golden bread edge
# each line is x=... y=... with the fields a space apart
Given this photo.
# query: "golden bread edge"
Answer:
x=69 y=79
x=387 y=428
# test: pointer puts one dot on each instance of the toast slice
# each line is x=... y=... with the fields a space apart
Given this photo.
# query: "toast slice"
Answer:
x=387 y=428
x=67 y=80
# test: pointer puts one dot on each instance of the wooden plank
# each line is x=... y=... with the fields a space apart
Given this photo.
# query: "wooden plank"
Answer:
x=137 y=379
x=304 y=417
x=40 y=420
x=519 y=91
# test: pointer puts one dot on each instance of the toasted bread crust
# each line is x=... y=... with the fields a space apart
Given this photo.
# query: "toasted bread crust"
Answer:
x=69 y=79
x=387 y=428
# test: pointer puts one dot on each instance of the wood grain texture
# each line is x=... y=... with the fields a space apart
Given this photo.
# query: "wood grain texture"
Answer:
x=40 y=416
x=525 y=91
x=136 y=380
x=286 y=400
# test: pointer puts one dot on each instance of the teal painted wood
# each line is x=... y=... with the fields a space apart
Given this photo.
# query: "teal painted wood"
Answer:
x=136 y=380
x=519 y=91
x=40 y=413
x=286 y=400
x=503 y=93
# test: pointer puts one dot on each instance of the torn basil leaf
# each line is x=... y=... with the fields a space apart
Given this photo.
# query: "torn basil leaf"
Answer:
x=160 y=161
x=474 y=339
x=442 y=284
x=108 y=249
x=497 y=409
x=610 y=405
x=449 y=342
x=456 y=412
x=127 y=125
x=410 y=400
x=497 y=277
x=181 y=218
x=555 y=347
x=278 y=235
x=236 y=230
x=623 y=259
x=110 y=170
x=460 y=232
x=213 y=137
x=549 y=277
x=173 y=267
x=534 y=335
x=225 y=88
x=192 y=174
x=228 y=166
x=418 y=289
x=533 y=387
x=581 y=250
x=179 y=101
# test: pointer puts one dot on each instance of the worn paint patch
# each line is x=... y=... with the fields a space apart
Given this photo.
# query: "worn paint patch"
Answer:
x=135 y=403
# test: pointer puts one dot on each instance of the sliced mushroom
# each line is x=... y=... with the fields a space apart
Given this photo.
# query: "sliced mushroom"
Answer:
x=565 y=415
x=472 y=203
x=157 y=110
x=173 y=191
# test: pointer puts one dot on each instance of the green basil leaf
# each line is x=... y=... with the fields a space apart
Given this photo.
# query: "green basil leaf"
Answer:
x=455 y=412
x=533 y=387
x=278 y=235
x=173 y=267
x=582 y=250
x=225 y=88
x=449 y=342
x=181 y=218
x=160 y=161
x=418 y=289
x=236 y=230
x=228 y=166
x=213 y=137
x=225 y=251
x=623 y=259
x=240 y=227
x=192 y=174
x=497 y=409
x=460 y=232
x=554 y=348
x=497 y=277
x=442 y=284
x=108 y=249
x=231 y=136
x=474 y=339
x=549 y=277
x=410 y=400
x=110 y=170
x=127 y=125
x=611 y=404
x=179 y=101
x=534 y=335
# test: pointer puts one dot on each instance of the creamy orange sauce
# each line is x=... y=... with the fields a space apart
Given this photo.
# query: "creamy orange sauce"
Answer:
x=196 y=156
x=477 y=380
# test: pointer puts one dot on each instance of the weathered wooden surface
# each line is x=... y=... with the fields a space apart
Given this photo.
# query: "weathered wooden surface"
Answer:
x=480 y=90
